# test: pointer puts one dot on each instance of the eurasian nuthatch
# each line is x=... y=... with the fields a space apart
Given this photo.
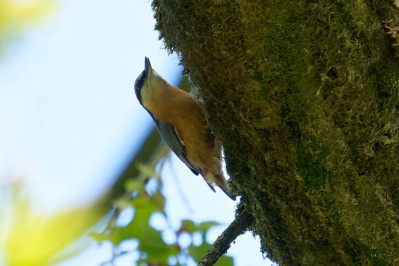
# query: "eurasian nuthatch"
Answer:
x=182 y=125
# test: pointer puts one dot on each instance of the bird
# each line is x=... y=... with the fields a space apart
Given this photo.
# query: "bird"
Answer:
x=181 y=122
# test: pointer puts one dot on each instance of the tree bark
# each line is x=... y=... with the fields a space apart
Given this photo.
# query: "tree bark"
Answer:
x=223 y=242
x=304 y=96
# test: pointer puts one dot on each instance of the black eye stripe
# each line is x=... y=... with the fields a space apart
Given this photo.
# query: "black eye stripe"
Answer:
x=138 y=85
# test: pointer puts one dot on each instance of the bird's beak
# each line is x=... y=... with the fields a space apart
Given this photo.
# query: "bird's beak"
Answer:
x=148 y=68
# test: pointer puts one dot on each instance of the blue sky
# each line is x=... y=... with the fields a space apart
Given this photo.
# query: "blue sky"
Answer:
x=69 y=119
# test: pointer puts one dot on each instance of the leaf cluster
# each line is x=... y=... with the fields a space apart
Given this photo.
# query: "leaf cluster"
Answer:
x=182 y=246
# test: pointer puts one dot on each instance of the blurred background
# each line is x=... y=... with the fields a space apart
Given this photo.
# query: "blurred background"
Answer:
x=70 y=126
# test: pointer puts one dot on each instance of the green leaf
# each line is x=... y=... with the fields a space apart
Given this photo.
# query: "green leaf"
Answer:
x=139 y=227
x=134 y=184
x=144 y=207
x=157 y=251
x=198 y=252
x=225 y=261
x=117 y=235
x=122 y=203
x=203 y=227
x=146 y=170
x=191 y=227
x=98 y=236
x=159 y=200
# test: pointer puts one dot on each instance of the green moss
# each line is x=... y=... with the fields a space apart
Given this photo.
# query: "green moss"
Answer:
x=310 y=167
x=304 y=96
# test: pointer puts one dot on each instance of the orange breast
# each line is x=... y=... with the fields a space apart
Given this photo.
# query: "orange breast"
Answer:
x=184 y=112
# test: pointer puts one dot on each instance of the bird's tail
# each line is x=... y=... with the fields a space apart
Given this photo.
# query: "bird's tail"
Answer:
x=221 y=182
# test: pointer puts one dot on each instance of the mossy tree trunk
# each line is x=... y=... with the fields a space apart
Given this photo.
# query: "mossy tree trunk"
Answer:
x=304 y=96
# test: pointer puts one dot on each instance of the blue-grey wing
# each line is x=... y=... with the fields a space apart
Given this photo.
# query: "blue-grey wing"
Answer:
x=175 y=143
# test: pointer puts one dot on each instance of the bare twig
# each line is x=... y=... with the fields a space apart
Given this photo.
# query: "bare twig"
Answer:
x=223 y=242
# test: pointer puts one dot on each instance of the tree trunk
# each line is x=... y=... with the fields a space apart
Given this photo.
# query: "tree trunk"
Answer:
x=304 y=96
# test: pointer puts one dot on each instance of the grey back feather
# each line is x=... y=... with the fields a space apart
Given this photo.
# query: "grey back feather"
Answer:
x=169 y=135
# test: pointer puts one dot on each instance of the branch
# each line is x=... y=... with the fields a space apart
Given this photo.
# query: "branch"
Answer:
x=222 y=243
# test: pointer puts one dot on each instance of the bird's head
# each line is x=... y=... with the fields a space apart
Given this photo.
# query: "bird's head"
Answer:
x=147 y=83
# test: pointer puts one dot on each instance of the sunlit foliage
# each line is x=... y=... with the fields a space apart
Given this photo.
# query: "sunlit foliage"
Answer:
x=33 y=239
x=18 y=15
